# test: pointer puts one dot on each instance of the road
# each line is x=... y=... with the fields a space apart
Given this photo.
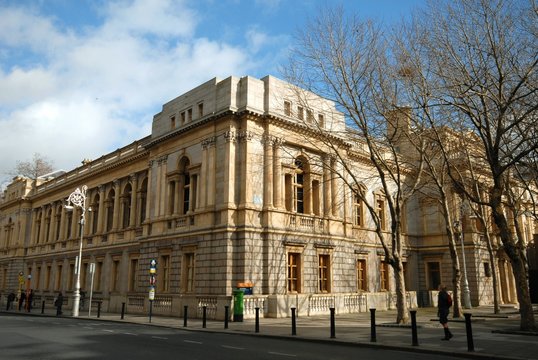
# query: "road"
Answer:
x=34 y=337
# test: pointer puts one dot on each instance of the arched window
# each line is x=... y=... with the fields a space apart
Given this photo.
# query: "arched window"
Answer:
x=110 y=209
x=143 y=198
x=95 y=213
x=126 y=206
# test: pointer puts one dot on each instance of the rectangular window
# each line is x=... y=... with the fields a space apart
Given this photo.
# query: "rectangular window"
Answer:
x=294 y=272
x=70 y=277
x=324 y=268
x=97 y=276
x=37 y=285
x=434 y=275
x=321 y=121
x=115 y=275
x=380 y=209
x=299 y=193
x=384 y=276
x=133 y=268
x=188 y=272
x=200 y=110
x=358 y=210
x=300 y=113
x=172 y=122
x=58 y=280
x=186 y=193
x=362 y=280
x=164 y=273
x=487 y=269
x=189 y=115
x=47 y=278
x=182 y=115
x=287 y=108
x=309 y=116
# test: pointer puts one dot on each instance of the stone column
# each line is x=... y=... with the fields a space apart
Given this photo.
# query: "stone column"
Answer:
x=229 y=169
x=277 y=173
x=268 y=171
x=245 y=137
x=334 y=190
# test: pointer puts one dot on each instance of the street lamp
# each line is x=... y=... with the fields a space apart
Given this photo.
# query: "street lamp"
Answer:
x=78 y=199
x=458 y=227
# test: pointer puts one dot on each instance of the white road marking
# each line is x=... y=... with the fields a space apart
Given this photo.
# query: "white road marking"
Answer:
x=110 y=331
x=281 y=354
x=160 y=337
x=128 y=333
x=192 y=342
x=232 y=347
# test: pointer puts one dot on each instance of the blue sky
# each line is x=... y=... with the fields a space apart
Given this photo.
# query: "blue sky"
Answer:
x=79 y=78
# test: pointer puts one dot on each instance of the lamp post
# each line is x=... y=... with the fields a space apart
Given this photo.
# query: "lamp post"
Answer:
x=458 y=227
x=78 y=199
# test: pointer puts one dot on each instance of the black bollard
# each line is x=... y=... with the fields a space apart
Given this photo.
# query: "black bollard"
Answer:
x=185 y=308
x=257 y=326
x=333 y=329
x=150 y=309
x=414 y=328
x=204 y=316
x=43 y=307
x=122 y=310
x=226 y=316
x=99 y=309
x=372 y=326
x=293 y=326
x=469 y=330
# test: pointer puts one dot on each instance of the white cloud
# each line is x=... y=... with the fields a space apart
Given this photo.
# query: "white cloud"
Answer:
x=97 y=89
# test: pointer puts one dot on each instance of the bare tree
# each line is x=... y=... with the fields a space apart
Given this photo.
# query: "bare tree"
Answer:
x=38 y=166
x=482 y=57
x=347 y=61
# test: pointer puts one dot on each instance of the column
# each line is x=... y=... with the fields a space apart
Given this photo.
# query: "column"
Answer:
x=211 y=172
x=134 y=190
x=334 y=192
x=327 y=188
x=52 y=223
x=229 y=168
x=268 y=172
x=162 y=172
x=277 y=173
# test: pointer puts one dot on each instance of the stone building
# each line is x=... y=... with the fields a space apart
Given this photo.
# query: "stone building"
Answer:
x=226 y=192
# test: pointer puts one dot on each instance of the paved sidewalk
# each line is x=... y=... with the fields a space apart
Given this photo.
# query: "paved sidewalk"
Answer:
x=494 y=336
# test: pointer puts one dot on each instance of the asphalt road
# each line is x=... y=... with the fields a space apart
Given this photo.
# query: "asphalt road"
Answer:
x=32 y=337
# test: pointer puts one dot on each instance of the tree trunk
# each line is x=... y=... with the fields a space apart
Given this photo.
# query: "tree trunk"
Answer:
x=402 y=316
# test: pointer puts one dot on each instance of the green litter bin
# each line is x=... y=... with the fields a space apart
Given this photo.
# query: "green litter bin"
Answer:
x=238 y=304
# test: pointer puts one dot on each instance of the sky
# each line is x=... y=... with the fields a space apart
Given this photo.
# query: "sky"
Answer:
x=81 y=78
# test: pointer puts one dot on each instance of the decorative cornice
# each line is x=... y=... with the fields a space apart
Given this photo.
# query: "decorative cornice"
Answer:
x=210 y=141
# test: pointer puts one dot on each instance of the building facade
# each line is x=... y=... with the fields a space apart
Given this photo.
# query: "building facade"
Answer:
x=227 y=192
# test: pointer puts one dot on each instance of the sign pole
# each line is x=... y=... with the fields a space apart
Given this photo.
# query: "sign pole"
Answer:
x=152 y=275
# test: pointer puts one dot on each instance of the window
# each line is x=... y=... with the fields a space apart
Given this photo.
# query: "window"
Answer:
x=189 y=115
x=358 y=211
x=200 y=110
x=133 y=268
x=47 y=278
x=287 y=108
x=309 y=116
x=172 y=122
x=384 y=276
x=58 y=222
x=315 y=197
x=115 y=275
x=83 y=272
x=300 y=113
x=110 y=210
x=69 y=224
x=70 y=275
x=487 y=269
x=95 y=214
x=380 y=210
x=434 y=275
x=58 y=281
x=97 y=276
x=324 y=267
x=362 y=280
x=143 y=199
x=188 y=272
x=294 y=272
x=182 y=117
x=186 y=192
x=298 y=186
x=37 y=285
x=126 y=204
x=164 y=273
x=321 y=121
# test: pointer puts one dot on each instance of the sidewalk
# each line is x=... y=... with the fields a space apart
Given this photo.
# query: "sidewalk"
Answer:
x=494 y=336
